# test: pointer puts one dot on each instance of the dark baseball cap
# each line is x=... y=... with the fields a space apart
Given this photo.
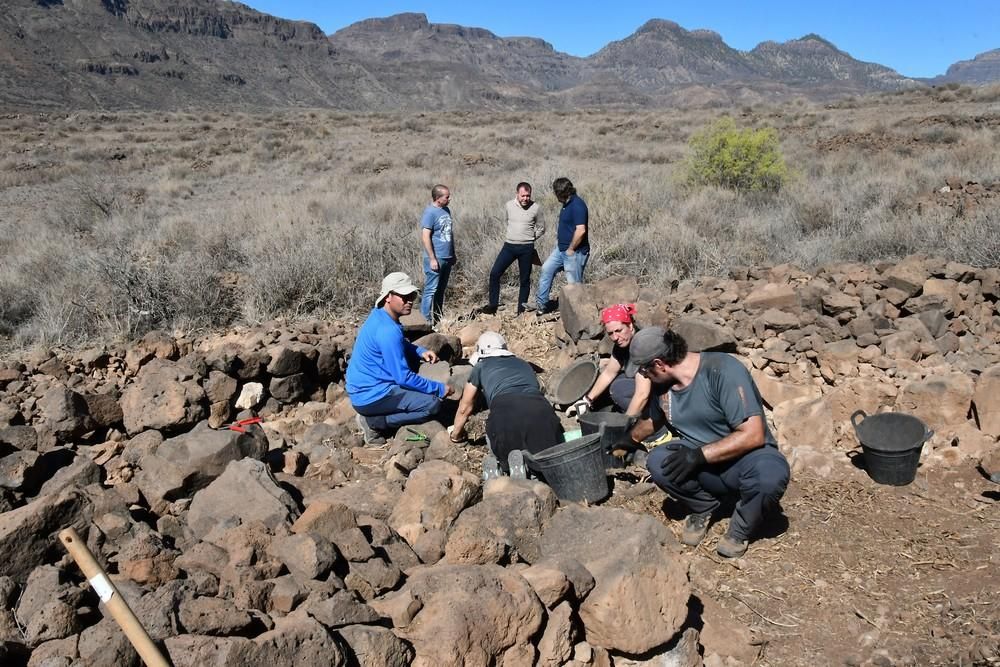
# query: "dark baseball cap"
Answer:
x=647 y=344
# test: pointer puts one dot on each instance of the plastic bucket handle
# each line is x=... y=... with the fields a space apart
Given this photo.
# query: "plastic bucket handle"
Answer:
x=928 y=433
x=531 y=459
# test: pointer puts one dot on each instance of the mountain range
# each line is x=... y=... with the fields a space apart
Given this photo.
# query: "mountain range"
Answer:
x=214 y=54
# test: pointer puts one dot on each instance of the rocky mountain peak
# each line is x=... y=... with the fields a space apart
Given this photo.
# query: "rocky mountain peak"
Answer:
x=984 y=68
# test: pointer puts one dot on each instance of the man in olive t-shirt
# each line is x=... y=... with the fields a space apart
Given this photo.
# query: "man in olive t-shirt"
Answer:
x=723 y=447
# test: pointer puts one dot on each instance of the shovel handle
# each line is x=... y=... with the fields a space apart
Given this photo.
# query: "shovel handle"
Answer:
x=112 y=599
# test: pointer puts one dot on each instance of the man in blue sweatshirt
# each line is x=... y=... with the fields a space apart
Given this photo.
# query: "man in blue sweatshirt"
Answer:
x=382 y=383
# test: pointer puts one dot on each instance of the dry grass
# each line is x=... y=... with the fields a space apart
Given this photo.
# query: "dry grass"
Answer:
x=116 y=223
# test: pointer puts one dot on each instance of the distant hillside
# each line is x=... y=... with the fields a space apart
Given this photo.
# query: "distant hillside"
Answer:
x=177 y=54
x=983 y=69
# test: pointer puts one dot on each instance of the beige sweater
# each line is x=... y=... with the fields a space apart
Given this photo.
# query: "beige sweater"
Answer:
x=523 y=226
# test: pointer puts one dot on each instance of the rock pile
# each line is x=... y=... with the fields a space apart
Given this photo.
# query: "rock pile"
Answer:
x=962 y=197
x=920 y=336
x=288 y=541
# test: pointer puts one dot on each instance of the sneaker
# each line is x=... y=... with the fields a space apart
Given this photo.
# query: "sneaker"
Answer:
x=695 y=528
x=488 y=310
x=491 y=468
x=731 y=547
x=371 y=436
x=515 y=462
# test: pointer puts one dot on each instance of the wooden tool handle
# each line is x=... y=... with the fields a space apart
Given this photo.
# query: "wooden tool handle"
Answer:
x=112 y=599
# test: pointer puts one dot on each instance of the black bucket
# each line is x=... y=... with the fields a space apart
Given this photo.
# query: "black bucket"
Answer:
x=615 y=425
x=572 y=382
x=574 y=469
x=891 y=442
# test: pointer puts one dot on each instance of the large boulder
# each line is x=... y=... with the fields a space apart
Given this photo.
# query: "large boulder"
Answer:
x=470 y=614
x=187 y=463
x=703 y=335
x=435 y=494
x=373 y=646
x=298 y=640
x=987 y=401
x=375 y=498
x=615 y=289
x=164 y=397
x=804 y=421
x=65 y=413
x=641 y=590
x=580 y=312
x=337 y=524
x=511 y=514
x=28 y=534
x=246 y=491
x=771 y=295
x=940 y=400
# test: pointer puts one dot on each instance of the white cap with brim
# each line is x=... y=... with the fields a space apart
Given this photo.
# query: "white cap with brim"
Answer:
x=490 y=344
x=397 y=282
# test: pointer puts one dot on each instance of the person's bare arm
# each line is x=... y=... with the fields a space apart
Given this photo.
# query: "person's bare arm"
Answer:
x=748 y=436
x=643 y=387
x=577 y=239
x=464 y=411
x=425 y=236
x=604 y=380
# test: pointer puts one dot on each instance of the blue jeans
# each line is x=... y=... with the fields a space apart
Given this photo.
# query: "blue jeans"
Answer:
x=510 y=252
x=757 y=480
x=398 y=408
x=558 y=261
x=435 y=283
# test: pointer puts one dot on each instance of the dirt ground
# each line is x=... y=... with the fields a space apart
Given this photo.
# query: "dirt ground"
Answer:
x=858 y=571
x=854 y=572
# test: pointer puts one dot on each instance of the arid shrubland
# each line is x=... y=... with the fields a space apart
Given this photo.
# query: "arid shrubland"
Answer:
x=112 y=224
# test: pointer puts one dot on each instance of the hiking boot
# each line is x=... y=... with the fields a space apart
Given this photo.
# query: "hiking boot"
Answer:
x=491 y=468
x=488 y=310
x=515 y=462
x=695 y=528
x=731 y=547
x=371 y=436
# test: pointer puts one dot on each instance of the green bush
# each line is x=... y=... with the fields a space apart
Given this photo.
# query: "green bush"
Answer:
x=740 y=159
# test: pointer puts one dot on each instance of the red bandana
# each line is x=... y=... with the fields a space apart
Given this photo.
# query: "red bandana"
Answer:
x=621 y=312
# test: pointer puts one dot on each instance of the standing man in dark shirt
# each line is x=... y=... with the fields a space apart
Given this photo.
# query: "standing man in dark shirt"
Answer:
x=573 y=246
x=723 y=447
x=521 y=418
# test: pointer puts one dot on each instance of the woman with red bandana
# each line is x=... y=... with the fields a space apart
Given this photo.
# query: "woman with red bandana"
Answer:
x=629 y=390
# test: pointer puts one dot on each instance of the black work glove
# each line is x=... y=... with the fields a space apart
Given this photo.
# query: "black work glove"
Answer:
x=683 y=463
x=622 y=446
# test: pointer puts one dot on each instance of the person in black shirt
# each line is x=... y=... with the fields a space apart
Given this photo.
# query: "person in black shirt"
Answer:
x=520 y=418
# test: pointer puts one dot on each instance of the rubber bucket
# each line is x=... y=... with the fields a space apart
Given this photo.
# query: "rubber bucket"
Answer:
x=573 y=382
x=615 y=425
x=891 y=442
x=574 y=469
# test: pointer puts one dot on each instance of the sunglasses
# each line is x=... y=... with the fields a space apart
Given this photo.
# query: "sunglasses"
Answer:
x=407 y=297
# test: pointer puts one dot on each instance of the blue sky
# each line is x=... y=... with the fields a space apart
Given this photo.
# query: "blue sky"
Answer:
x=915 y=37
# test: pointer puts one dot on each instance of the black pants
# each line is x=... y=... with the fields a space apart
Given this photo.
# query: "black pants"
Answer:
x=508 y=253
x=521 y=421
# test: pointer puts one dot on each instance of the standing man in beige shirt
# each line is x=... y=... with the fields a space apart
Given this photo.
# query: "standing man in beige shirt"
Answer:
x=523 y=228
